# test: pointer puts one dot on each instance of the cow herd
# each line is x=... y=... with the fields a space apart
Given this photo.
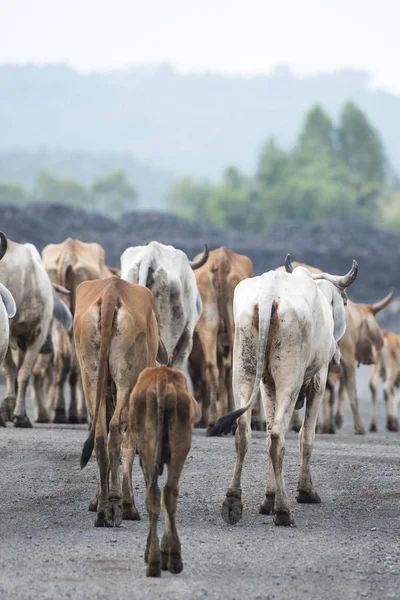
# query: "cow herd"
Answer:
x=121 y=340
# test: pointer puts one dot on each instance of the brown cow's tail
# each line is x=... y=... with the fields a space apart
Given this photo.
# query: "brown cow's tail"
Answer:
x=222 y=278
x=162 y=384
x=66 y=276
x=266 y=311
x=107 y=315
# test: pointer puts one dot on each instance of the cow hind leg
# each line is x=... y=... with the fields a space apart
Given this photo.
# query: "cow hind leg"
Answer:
x=373 y=384
x=103 y=464
x=285 y=403
x=269 y=407
x=306 y=491
x=171 y=558
x=20 y=417
x=8 y=404
x=152 y=556
x=128 y=450
x=350 y=384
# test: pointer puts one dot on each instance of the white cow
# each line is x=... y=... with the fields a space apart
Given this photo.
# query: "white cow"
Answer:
x=7 y=311
x=23 y=273
x=168 y=273
x=286 y=333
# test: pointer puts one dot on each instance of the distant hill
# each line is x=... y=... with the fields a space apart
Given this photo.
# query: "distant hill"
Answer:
x=185 y=124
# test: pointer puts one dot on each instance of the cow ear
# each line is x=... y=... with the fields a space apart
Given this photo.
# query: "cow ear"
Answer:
x=339 y=316
x=162 y=354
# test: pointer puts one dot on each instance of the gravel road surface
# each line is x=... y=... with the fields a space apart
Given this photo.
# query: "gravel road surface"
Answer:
x=347 y=547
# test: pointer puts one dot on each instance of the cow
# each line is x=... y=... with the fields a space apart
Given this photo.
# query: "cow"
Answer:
x=387 y=366
x=362 y=338
x=287 y=326
x=7 y=311
x=216 y=281
x=68 y=264
x=168 y=273
x=116 y=337
x=161 y=413
x=36 y=300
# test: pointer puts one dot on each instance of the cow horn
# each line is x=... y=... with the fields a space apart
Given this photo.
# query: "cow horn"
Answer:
x=288 y=264
x=61 y=289
x=383 y=303
x=202 y=260
x=3 y=244
x=341 y=282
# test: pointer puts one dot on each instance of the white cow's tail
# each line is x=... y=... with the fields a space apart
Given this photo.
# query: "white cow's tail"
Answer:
x=266 y=312
x=146 y=271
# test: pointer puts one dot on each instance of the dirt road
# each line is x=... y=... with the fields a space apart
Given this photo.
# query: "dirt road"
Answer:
x=346 y=547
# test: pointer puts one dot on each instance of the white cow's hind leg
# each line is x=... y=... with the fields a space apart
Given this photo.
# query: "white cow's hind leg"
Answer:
x=373 y=384
x=269 y=408
x=20 y=417
x=243 y=381
x=285 y=403
x=306 y=491
x=8 y=404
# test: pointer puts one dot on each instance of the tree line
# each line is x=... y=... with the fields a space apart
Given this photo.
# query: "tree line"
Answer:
x=333 y=171
x=111 y=193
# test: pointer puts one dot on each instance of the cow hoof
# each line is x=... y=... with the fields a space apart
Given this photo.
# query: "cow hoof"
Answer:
x=2 y=422
x=164 y=560
x=359 y=430
x=208 y=430
x=114 y=515
x=267 y=507
x=43 y=419
x=100 y=520
x=373 y=428
x=93 y=505
x=232 y=509
x=130 y=513
x=283 y=517
x=73 y=420
x=7 y=408
x=22 y=421
x=392 y=424
x=304 y=497
x=255 y=426
x=338 y=420
x=153 y=570
x=201 y=424
x=175 y=565
x=328 y=429
x=82 y=419
x=296 y=427
x=60 y=417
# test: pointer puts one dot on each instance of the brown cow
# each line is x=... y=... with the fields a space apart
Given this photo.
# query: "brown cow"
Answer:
x=161 y=413
x=116 y=337
x=362 y=338
x=211 y=358
x=68 y=264
x=387 y=366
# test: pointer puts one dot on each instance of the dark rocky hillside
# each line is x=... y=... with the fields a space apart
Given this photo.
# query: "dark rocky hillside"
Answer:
x=330 y=245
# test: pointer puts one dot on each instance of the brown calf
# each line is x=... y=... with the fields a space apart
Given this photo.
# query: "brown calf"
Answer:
x=161 y=413
x=116 y=337
x=387 y=366
x=210 y=363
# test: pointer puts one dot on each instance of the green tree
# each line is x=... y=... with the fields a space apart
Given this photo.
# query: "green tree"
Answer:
x=360 y=147
x=113 y=193
x=273 y=164
x=188 y=198
x=318 y=132
x=11 y=193
x=65 y=190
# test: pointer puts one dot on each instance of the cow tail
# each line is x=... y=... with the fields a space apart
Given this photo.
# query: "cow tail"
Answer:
x=162 y=383
x=266 y=311
x=107 y=314
x=146 y=272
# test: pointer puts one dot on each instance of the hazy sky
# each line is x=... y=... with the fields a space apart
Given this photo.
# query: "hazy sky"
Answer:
x=230 y=36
